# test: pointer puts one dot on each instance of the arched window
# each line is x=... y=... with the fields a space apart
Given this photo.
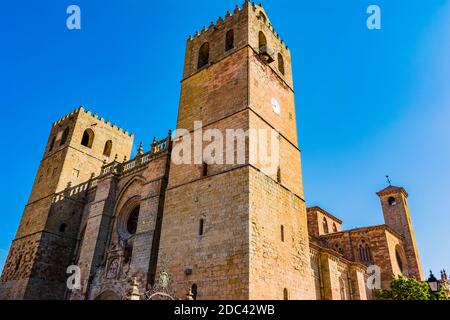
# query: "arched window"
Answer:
x=52 y=144
x=108 y=148
x=281 y=63
x=64 y=136
x=62 y=228
x=262 y=42
x=132 y=221
x=285 y=294
x=203 y=55
x=334 y=227
x=282 y=233
x=325 y=225
x=88 y=138
x=392 y=201
x=229 y=40
x=262 y=17
x=399 y=256
x=194 y=291
x=365 y=254
x=201 y=227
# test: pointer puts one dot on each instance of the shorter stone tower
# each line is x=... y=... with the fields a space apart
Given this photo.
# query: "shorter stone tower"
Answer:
x=397 y=216
x=77 y=147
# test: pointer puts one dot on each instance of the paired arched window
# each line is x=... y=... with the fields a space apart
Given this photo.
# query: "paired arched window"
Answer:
x=203 y=55
x=365 y=254
x=88 y=138
x=325 y=225
x=281 y=63
x=64 y=136
x=229 y=40
x=108 y=148
x=262 y=42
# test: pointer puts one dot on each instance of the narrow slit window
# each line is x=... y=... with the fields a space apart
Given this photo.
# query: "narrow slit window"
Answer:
x=201 y=227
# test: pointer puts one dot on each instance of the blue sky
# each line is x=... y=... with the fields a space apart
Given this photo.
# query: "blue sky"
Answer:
x=369 y=103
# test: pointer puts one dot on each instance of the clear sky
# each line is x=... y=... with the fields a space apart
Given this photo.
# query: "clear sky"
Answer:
x=369 y=103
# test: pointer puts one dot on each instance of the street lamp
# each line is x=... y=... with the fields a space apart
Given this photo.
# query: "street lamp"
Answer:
x=433 y=283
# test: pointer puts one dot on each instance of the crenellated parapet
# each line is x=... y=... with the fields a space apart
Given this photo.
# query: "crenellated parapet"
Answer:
x=94 y=116
x=231 y=17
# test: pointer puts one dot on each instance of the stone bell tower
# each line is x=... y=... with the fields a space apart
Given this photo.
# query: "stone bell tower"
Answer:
x=397 y=216
x=47 y=235
x=237 y=230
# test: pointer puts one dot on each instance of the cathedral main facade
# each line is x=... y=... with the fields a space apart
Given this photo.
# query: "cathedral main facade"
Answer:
x=199 y=230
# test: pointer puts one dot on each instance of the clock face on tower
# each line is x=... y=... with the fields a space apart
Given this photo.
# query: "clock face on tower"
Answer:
x=276 y=106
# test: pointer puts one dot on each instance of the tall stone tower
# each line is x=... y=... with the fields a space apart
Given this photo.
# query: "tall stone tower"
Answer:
x=397 y=216
x=237 y=230
x=47 y=235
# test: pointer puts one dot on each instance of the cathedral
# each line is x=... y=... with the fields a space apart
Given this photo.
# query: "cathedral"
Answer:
x=199 y=230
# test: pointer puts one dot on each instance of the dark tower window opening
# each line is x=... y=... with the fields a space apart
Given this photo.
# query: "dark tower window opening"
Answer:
x=201 y=227
x=64 y=136
x=194 y=291
x=108 y=148
x=281 y=63
x=63 y=228
x=204 y=169
x=285 y=294
x=88 y=138
x=132 y=221
x=262 y=42
x=325 y=225
x=203 y=55
x=52 y=144
x=282 y=233
x=229 y=40
x=392 y=201
x=334 y=227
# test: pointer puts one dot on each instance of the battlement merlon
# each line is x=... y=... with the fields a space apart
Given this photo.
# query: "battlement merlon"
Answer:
x=246 y=8
x=82 y=111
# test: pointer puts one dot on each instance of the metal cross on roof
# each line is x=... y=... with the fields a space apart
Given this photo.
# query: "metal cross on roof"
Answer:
x=389 y=181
